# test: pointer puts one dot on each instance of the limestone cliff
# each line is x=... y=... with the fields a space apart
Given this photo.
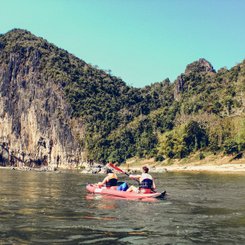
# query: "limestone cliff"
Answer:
x=35 y=120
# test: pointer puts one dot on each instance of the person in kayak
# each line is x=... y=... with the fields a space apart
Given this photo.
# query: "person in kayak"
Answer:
x=109 y=180
x=147 y=184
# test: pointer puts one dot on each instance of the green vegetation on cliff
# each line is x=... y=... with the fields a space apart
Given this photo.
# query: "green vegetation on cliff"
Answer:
x=202 y=110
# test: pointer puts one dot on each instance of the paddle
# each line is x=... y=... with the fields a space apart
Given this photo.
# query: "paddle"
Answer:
x=119 y=170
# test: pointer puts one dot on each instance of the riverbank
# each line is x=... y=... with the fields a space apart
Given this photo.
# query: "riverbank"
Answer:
x=227 y=168
x=218 y=164
x=25 y=168
x=212 y=163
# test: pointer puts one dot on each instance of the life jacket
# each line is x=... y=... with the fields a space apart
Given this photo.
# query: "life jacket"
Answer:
x=146 y=181
x=146 y=184
x=112 y=180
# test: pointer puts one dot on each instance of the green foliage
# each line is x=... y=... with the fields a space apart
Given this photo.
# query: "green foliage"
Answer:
x=231 y=147
x=121 y=121
x=235 y=143
x=159 y=158
x=227 y=134
x=195 y=136
x=183 y=140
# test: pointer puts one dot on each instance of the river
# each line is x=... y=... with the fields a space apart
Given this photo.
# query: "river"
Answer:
x=54 y=208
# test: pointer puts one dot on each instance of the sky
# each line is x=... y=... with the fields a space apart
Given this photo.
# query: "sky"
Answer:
x=140 y=41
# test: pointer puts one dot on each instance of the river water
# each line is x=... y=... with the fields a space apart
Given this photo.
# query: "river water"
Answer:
x=54 y=208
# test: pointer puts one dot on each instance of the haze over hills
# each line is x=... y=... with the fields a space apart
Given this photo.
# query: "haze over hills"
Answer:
x=58 y=110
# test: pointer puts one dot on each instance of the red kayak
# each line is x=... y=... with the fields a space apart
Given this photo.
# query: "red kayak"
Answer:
x=112 y=191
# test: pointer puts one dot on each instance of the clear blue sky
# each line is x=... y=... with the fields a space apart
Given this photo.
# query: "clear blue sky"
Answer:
x=141 y=41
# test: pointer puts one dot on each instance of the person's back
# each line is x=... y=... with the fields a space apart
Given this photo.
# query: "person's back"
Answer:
x=146 y=182
x=109 y=180
x=145 y=176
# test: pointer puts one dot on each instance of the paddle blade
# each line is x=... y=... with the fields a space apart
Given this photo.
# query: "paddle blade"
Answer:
x=116 y=168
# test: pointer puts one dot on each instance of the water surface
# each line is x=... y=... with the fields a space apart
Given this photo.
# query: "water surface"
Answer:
x=54 y=208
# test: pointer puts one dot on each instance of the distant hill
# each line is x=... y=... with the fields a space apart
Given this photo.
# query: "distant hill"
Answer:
x=58 y=110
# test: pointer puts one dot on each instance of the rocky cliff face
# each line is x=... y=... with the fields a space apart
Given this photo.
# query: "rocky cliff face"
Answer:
x=197 y=68
x=34 y=115
x=201 y=65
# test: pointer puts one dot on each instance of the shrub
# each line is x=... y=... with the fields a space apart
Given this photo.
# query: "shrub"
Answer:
x=159 y=158
x=231 y=147
x=201 y=156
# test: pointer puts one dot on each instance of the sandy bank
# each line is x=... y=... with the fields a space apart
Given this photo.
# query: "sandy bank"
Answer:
x=227 y=168
x=220 y=164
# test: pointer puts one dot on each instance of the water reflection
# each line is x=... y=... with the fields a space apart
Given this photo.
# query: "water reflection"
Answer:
x=53 y=208
x=102 y=201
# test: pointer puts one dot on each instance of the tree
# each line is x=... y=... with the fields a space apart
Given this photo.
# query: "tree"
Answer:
x=195 y=136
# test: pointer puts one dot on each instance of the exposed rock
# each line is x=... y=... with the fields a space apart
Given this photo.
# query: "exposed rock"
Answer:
x=201 y=65
x=196 y=68
x=34 y=115
x=179 y=85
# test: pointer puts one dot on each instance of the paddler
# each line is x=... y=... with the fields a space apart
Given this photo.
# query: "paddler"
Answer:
x=109 y=180
x=147 y=184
